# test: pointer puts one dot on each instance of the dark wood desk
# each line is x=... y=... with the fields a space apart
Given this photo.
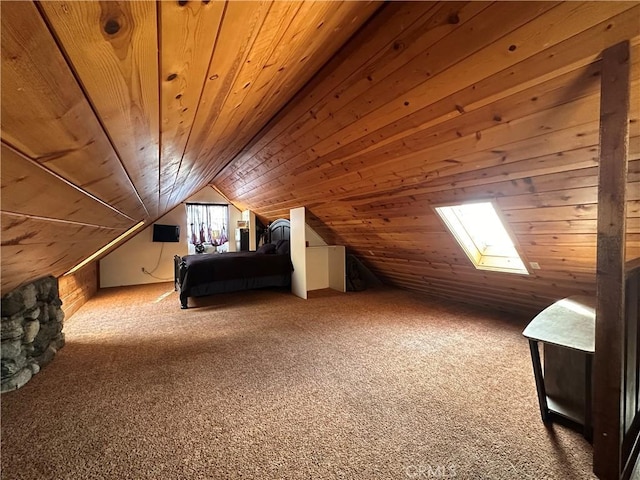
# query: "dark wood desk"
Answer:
x=567 y=331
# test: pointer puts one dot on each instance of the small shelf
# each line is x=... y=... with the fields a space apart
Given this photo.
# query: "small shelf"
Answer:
x=567 y=331
x=560 y=407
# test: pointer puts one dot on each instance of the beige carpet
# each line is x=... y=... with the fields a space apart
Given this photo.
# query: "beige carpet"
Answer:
x=381 y=384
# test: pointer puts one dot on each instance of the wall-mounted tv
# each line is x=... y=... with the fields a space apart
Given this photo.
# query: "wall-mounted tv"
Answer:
x=166 y=233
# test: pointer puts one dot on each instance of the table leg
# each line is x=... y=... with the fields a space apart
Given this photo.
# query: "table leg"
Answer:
x=537 y=373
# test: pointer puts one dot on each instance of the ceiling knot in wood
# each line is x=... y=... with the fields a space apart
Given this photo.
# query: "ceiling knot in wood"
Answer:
x=112 y=26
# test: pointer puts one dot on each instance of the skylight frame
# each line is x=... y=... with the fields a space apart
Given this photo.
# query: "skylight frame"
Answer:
x=511 y=261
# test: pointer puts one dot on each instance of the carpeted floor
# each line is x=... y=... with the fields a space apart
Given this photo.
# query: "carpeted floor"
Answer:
x=380 y=384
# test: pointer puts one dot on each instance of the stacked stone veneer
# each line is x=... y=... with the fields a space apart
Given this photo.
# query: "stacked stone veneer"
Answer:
x=31 y=331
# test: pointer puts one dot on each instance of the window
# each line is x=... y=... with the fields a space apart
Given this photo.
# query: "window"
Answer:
x=481 y=234
x=207 y=223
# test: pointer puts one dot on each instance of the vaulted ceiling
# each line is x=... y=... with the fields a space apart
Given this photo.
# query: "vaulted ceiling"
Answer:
x=368 y=114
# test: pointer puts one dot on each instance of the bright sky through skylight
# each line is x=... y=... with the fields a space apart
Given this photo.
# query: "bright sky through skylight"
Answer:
x=483 y=225
x=481 y=234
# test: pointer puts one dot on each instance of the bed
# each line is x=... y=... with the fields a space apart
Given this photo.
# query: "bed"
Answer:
x=209 y=273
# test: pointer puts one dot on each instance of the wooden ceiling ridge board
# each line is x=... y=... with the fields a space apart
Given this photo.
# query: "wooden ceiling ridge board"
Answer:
x=188 y=36
x=114 y=52
x=335 y=25
x=46 y=117
x=364 y=49
x=551 y=59
x=237 y=33
x=50 y=196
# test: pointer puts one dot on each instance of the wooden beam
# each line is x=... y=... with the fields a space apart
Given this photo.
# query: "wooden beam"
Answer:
x=610 y=280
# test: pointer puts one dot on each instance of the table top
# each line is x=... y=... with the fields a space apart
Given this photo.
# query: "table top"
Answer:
x=569 y=322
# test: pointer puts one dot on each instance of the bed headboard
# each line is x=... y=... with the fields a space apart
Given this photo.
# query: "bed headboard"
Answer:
x=279 y=230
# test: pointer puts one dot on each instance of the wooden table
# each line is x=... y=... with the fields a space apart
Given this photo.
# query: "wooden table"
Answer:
x=567 y=331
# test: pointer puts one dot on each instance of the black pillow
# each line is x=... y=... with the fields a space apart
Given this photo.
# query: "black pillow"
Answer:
x=282 y=247
x=267 y=248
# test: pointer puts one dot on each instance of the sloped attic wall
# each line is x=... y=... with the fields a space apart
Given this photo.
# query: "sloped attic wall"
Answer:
x=115 y=112
x=453 y=102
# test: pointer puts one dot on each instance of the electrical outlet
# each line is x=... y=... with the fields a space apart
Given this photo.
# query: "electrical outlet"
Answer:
x=535 y=265
x=142 y=269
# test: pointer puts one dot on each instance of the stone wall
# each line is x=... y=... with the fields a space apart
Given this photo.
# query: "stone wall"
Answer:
x=31 y=331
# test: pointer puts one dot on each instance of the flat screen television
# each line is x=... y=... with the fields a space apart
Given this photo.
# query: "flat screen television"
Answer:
x=166 y=233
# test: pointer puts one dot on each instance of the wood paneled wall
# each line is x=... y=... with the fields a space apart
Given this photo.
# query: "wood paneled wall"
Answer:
x=115 y=112
x=366 y=113
x=439 y=103
x=75 y=289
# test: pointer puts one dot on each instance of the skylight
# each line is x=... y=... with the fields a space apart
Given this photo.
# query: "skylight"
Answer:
x=481 y=234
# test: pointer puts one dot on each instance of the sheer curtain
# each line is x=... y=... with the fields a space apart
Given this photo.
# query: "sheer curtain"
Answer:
x=207 y=224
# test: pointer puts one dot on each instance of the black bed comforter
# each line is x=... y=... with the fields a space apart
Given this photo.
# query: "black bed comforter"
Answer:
x=214 y=267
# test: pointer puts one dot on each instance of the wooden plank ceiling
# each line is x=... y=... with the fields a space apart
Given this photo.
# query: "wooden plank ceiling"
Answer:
x=452 y=102
x=366 y=113
x=115 y=112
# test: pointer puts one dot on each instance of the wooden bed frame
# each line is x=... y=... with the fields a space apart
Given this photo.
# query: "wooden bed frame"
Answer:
x=277 y=231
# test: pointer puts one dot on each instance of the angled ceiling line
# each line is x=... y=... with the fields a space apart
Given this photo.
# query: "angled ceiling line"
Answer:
x=249 y=48
x=159 y=63
x=450 y=34
x=281 y=113
x=78 y=80
x=59 y=220
x=195 y=115
x=62 y=179
x=235 y=149
x=470 y=54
